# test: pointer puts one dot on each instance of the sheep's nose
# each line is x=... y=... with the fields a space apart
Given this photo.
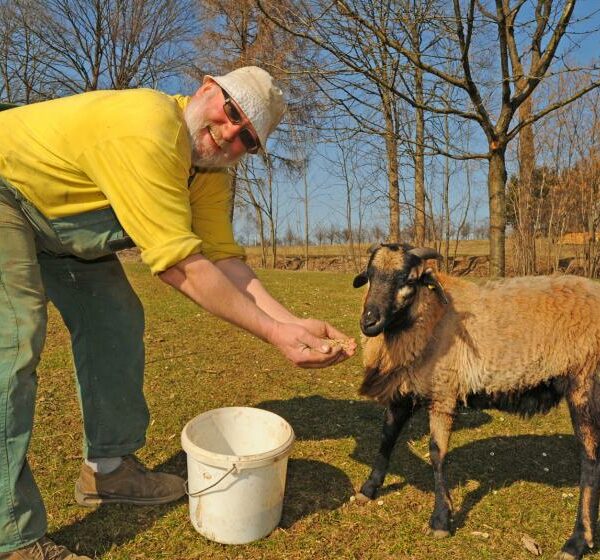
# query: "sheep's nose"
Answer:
x=370 y=321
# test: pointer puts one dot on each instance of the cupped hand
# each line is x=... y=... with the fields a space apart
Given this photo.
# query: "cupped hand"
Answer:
x=330 y=335
x=312 y=343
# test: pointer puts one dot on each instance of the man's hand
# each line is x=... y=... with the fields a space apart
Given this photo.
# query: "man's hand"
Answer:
x=230 y=290
x=325 y=330
x=309 y=343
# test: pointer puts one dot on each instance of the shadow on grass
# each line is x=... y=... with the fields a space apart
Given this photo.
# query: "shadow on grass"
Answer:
x=311 y=486
x=114 y=525
x=493 y=463
x=314 y=486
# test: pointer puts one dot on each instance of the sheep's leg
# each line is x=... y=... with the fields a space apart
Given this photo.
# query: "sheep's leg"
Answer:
x=395 y=416
x=440 y=425
x=588 y=435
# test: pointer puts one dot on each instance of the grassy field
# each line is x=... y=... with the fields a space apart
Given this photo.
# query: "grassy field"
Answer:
x=508 y=476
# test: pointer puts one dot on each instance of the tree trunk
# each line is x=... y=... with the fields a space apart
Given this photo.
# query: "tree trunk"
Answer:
x=391 y=146
x=273 y=232
x=497 y=206
x=261 y=232
x=525 y=222
x=349 y=224
x=446 y=198
x=446 y=231
x=394 y=192
x=306 y=236
x=419 y=162
x=271 y=217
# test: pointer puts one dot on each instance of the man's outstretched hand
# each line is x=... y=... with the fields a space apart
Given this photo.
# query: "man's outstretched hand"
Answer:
x=310 y=343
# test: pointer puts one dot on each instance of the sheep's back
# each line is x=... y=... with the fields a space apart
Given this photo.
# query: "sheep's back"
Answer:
x=516 y=333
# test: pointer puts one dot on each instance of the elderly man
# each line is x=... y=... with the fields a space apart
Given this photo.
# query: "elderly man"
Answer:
x=81 y=178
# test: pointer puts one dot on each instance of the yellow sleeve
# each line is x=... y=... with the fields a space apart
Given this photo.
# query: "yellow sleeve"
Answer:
x=145 y=182
x=211 y=199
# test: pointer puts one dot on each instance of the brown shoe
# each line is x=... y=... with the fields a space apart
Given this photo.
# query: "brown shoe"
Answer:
x=130 y=483
x=42 y=549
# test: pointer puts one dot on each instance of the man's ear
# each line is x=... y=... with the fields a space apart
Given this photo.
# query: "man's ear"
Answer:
x=200 y=91
x=360 y=279
x=207 y=85
x=429 y=279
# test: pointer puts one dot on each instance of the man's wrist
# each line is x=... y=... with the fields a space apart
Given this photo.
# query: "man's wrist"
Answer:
x=272 y=332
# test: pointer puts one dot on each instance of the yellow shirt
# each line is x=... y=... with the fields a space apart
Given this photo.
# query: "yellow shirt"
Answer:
x=125 y=149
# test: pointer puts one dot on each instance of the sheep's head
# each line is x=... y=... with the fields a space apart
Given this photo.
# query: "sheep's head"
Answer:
x=395 y=273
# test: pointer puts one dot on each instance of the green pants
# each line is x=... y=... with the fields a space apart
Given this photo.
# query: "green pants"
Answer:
x=106 y=322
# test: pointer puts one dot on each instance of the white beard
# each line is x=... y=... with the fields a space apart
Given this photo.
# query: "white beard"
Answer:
x=197 y=123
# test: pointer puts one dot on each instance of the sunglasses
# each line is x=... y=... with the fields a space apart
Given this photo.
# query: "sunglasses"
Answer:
x=234 y=115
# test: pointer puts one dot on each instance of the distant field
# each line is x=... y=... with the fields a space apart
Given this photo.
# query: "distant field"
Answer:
x=475 y=247
x=343 y=258
x=471 y=247
x=508 y=476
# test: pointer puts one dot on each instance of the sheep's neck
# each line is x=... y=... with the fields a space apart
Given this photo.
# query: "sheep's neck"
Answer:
x=393 y=361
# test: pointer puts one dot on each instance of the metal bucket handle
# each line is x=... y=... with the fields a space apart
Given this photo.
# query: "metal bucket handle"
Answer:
x=233 y=469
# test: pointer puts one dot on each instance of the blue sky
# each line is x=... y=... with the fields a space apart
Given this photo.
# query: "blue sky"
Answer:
x=327 y=190
x=327 y=201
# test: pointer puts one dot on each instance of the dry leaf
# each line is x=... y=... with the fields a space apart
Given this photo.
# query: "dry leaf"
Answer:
x=531 y=545
x=480 y=534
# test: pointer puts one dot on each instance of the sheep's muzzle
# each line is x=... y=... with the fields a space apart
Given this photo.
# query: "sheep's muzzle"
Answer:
x=372 y=320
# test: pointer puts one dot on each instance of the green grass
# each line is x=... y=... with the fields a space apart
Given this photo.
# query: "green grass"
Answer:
x=496 y=466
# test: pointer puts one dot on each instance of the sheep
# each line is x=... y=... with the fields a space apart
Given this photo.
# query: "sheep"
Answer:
x=519 y=345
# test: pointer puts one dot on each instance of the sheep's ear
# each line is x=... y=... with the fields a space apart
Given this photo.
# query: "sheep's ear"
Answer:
x=433 y=283
x=373 y=247
x=360 y=279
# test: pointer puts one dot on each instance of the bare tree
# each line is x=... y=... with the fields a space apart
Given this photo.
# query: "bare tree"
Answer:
x=81 y=45
x=24 y=58
x=564 y=203
x=502 y=30
x=243 y=36
x=345 y=161
x=418 y=13
x=306 y=216
x=257 y=192
x=149 y=40
x=355 y=71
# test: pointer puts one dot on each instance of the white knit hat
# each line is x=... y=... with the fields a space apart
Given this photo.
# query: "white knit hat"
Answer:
x=253 y=90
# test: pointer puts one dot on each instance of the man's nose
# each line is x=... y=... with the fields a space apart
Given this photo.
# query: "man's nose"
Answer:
x=230 y=131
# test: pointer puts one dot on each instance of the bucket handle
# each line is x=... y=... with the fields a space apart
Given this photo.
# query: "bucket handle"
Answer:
x=198 y=492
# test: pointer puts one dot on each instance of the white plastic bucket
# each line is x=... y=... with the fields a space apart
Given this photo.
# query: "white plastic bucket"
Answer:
x=236 y=463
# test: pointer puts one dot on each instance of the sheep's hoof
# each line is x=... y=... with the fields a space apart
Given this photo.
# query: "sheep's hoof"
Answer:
x=361 y=499
x=439 y=533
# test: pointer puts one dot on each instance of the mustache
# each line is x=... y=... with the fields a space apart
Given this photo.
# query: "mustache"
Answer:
x=218 y=139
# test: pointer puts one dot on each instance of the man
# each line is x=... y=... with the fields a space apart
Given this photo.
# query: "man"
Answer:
x=80 y=178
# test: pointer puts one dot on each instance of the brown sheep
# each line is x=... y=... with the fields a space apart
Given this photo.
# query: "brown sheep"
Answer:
x=519 y=345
